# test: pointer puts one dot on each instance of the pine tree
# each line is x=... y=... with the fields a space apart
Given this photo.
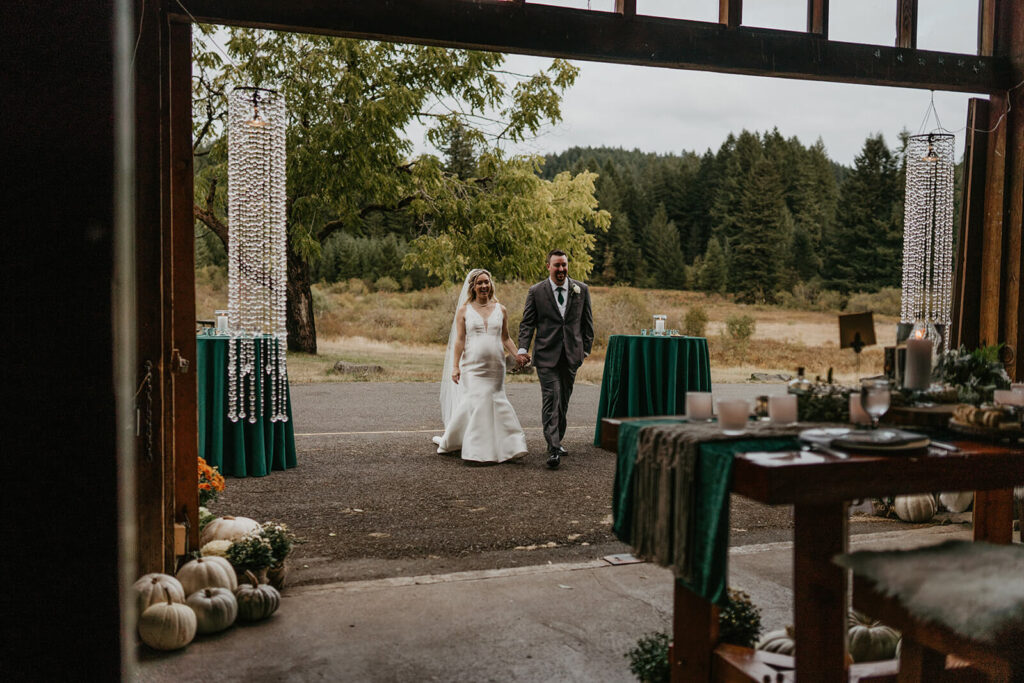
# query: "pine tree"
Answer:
x=866 y=250
x=714 y=270
x=665 y=265
x=760 y=235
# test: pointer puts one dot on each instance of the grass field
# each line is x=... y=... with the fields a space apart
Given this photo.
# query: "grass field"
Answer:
x=405 y=332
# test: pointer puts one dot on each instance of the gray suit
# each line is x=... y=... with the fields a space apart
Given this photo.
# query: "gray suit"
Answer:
x=559 y=348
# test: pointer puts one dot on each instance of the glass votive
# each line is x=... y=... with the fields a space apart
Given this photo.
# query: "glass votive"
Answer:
x=732 y=415
x=659 y=324
x=857 y=414
x=698 y=405
x=1008 y=397
x=782 y=409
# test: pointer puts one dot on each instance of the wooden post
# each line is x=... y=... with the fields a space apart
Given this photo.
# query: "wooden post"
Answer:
x=694 y=636
x=819 y=607
x=817 y=17
x=967 y=290
x=992 y=232
x=182 y=329
x=626 y=8
x=730 y=12
x=906 y=24
x=151 y=189
x=993 y=516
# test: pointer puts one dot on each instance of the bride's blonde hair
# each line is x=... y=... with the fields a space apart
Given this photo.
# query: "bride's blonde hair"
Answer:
x=473 y=275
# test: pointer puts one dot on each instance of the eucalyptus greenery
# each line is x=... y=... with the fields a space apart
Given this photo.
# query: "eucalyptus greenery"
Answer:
x=823 y=403
x=975 y=374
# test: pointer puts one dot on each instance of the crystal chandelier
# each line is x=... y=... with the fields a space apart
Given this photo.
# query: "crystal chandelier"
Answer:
x=928 y=237
x=257 y=263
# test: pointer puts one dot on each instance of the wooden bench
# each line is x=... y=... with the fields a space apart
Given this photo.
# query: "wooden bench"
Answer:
x=896 y=588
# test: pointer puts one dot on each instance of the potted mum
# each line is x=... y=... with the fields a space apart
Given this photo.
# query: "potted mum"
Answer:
x=251 y=552
x=281 y=539
x=211 y=483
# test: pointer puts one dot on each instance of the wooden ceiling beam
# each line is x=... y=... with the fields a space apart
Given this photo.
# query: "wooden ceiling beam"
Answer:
x=527 y=28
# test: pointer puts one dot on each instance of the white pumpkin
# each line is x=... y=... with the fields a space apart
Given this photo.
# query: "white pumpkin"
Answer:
x=918 y=507
x=956 y=501
x=781 y=642
x=870 y=640
x=156 y=587
x=227 y=529
x=207 y=572
x=167 y=625
x=215 y=608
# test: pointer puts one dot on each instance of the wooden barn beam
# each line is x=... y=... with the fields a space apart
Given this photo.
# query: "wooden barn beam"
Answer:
x=626 y=8
x=817 y=18
x=529 y=28
x=967 y=287
x=730 y=13
x=906 y=24
x=986 y=26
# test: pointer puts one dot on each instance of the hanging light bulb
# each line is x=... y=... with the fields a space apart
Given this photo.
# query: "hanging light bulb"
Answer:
x=257 y=261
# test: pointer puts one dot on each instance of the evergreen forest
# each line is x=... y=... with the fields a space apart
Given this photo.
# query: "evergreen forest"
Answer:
x=759 y=218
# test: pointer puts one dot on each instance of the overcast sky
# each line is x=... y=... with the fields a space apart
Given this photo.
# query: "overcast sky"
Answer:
x=670 y=110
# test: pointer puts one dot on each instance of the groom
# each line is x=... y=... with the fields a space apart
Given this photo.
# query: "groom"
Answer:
x=558 y=309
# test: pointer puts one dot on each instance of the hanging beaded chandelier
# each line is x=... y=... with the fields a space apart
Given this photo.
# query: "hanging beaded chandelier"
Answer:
x=257 y=263
x=928 y=236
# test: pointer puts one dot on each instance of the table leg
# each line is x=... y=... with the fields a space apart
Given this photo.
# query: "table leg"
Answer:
x=819 y=592
x=993 y=516
x=694 y=636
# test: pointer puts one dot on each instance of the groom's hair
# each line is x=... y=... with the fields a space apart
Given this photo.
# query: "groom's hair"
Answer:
x=556 y=252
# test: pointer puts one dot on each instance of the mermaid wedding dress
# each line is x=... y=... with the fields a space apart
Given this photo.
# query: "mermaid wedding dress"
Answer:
x=483 y=424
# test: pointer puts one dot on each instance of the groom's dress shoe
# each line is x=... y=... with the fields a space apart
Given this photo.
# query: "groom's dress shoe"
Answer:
x=561 y=451
x=553 y=460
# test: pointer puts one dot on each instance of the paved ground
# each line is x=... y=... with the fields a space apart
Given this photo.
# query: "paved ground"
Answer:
x=371 y=498
x=416 y=567
x=561 y=622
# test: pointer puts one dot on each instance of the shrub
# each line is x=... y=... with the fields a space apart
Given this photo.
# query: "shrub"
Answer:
x=740 y=327
x=622 y=311
x=695 y=323
x=357 y=286
x=885 y=301
x=321 y=301
x=739 y=620
x=386 y=284
x=648 y=661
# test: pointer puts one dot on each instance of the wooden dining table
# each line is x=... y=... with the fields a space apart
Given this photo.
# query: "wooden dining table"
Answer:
x=819 y=486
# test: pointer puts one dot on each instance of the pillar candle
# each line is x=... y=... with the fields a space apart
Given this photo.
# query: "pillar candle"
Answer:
x=659 y=324
x=918 y=374
x=698 y=405
x=782 y=409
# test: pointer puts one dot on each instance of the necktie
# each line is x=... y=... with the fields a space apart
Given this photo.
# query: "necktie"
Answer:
x=561 y=299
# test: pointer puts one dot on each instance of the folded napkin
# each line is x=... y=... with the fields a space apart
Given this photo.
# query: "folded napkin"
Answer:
x=679 y=512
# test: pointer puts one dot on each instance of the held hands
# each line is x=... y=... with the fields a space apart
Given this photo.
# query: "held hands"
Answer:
x=522 y=360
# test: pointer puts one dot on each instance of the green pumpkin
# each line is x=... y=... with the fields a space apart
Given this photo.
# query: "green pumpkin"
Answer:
x=780 y=641
x=870 y=640
x=216 y=609
x=256 y=600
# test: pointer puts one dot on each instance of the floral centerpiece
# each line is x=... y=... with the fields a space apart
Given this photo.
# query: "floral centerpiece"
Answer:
x=821 y=402
x=211 y=483
x=975 y=374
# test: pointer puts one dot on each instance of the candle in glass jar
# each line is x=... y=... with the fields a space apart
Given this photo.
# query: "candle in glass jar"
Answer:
x=659 y=323
x=918 y=375
x=698 y=405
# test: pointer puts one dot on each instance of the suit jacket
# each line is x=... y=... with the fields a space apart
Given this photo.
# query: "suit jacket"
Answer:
x=572 y=335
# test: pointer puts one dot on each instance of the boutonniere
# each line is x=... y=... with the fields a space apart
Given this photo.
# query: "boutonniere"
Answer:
x=575 y=289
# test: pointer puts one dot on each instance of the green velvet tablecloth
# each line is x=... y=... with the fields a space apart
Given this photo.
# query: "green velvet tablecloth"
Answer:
x=709 y=544
x=648 y=375
x=242 y=448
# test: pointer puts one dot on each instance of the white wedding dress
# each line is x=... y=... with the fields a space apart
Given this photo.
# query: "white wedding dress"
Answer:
x=483 y=425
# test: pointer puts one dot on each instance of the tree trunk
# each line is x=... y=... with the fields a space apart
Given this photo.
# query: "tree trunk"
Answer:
x=301 y=326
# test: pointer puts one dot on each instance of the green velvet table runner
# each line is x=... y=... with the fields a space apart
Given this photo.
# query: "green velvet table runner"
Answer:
x=672 y=504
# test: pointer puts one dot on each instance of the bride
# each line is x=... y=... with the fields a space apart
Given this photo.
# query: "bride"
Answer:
x=478 y=418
